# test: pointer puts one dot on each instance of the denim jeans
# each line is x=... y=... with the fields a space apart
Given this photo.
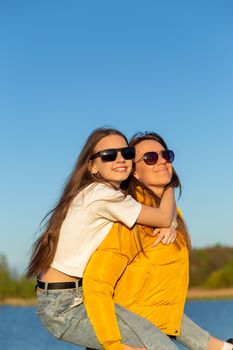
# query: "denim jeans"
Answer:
x=192 y=336
x=63 y=314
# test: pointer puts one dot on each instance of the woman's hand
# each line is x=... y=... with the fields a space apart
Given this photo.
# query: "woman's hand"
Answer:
x=127 y=347
x=164 y=235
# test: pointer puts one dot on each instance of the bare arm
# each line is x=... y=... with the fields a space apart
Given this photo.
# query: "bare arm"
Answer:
x=166 y=235
x=161 y=216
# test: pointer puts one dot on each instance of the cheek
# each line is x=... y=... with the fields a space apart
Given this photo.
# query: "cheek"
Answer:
x=102 y=168
x=169 y=169
x=130 y=166
x=139 y=172
x=107 y=168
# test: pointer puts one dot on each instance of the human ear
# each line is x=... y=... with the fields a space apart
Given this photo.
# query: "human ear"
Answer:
x=93 y=168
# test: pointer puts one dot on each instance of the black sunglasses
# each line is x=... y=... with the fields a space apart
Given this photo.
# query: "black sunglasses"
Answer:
x=109 y=155
x=151 y=158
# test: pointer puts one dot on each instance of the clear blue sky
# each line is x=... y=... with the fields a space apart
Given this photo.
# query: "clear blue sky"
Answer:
x=67 y=67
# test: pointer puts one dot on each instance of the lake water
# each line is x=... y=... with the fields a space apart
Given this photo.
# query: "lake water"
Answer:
x=20 y=328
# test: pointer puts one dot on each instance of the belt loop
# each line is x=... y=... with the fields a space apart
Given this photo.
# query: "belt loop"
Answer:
x=46 y=287
x=77 y=286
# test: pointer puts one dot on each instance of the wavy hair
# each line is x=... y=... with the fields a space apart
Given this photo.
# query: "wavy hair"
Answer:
x=44 y=248
x=132 y=184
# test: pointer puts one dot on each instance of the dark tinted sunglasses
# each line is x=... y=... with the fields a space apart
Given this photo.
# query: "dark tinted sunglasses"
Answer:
x=151 y=158
x=109 y=155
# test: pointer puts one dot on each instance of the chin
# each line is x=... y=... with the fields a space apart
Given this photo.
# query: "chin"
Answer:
x=119 y=179
x=165 y=183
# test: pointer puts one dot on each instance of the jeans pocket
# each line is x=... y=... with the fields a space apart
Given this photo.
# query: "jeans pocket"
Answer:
x=55 y=310
x=67 y=301
x=45 y=302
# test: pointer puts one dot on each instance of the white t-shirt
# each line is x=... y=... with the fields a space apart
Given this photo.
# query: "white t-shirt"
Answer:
x=90 y=217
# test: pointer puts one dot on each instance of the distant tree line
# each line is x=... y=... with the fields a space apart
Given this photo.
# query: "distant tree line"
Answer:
x=210 y=267
x=12 y=284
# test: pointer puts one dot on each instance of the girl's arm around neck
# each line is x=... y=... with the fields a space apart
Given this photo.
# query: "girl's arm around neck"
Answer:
x=161 y=216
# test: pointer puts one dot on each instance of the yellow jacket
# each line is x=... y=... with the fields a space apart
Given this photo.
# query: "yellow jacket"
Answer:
x=153 y=285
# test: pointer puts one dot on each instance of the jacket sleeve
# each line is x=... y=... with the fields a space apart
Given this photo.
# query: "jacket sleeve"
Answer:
x=102 y=272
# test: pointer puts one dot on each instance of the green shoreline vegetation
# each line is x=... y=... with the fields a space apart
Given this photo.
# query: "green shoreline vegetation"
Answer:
x=211 y=277
x=193 y=294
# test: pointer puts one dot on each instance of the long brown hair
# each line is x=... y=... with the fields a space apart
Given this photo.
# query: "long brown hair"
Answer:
x=132 y=185
x=45 y=247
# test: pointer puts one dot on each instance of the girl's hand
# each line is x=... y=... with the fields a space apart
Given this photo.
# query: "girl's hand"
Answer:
x=164 y=235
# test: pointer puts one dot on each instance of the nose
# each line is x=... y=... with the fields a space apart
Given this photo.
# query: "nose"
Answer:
x=161 y=160
x=120 y=158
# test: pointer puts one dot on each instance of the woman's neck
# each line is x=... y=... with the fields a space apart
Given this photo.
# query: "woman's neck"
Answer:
x=157 y=190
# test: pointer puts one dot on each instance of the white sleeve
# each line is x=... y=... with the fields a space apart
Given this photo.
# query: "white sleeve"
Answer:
x=114 y=206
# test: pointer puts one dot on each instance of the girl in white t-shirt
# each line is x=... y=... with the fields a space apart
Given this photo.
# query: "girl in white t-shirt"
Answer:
x=91 y=202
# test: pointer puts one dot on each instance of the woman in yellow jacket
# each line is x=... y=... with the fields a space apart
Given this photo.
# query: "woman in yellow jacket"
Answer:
x=129 y=270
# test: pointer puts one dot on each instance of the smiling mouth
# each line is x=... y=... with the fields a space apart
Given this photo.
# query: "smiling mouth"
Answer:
x=120 y=169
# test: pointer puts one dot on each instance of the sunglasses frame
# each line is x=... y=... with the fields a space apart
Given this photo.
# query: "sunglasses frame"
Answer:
x=168 y=151
x=114 y=151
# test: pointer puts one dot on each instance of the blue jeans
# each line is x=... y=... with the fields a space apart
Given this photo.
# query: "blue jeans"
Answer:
x=63 y=314
x=192 y=336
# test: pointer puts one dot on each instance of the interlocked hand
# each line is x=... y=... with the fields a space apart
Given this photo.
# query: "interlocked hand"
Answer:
x=165 y=235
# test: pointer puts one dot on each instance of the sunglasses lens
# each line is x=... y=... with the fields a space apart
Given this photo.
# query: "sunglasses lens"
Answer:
x=168 y=155
x=150 y=158
x=108 y=155
x=128 y=153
